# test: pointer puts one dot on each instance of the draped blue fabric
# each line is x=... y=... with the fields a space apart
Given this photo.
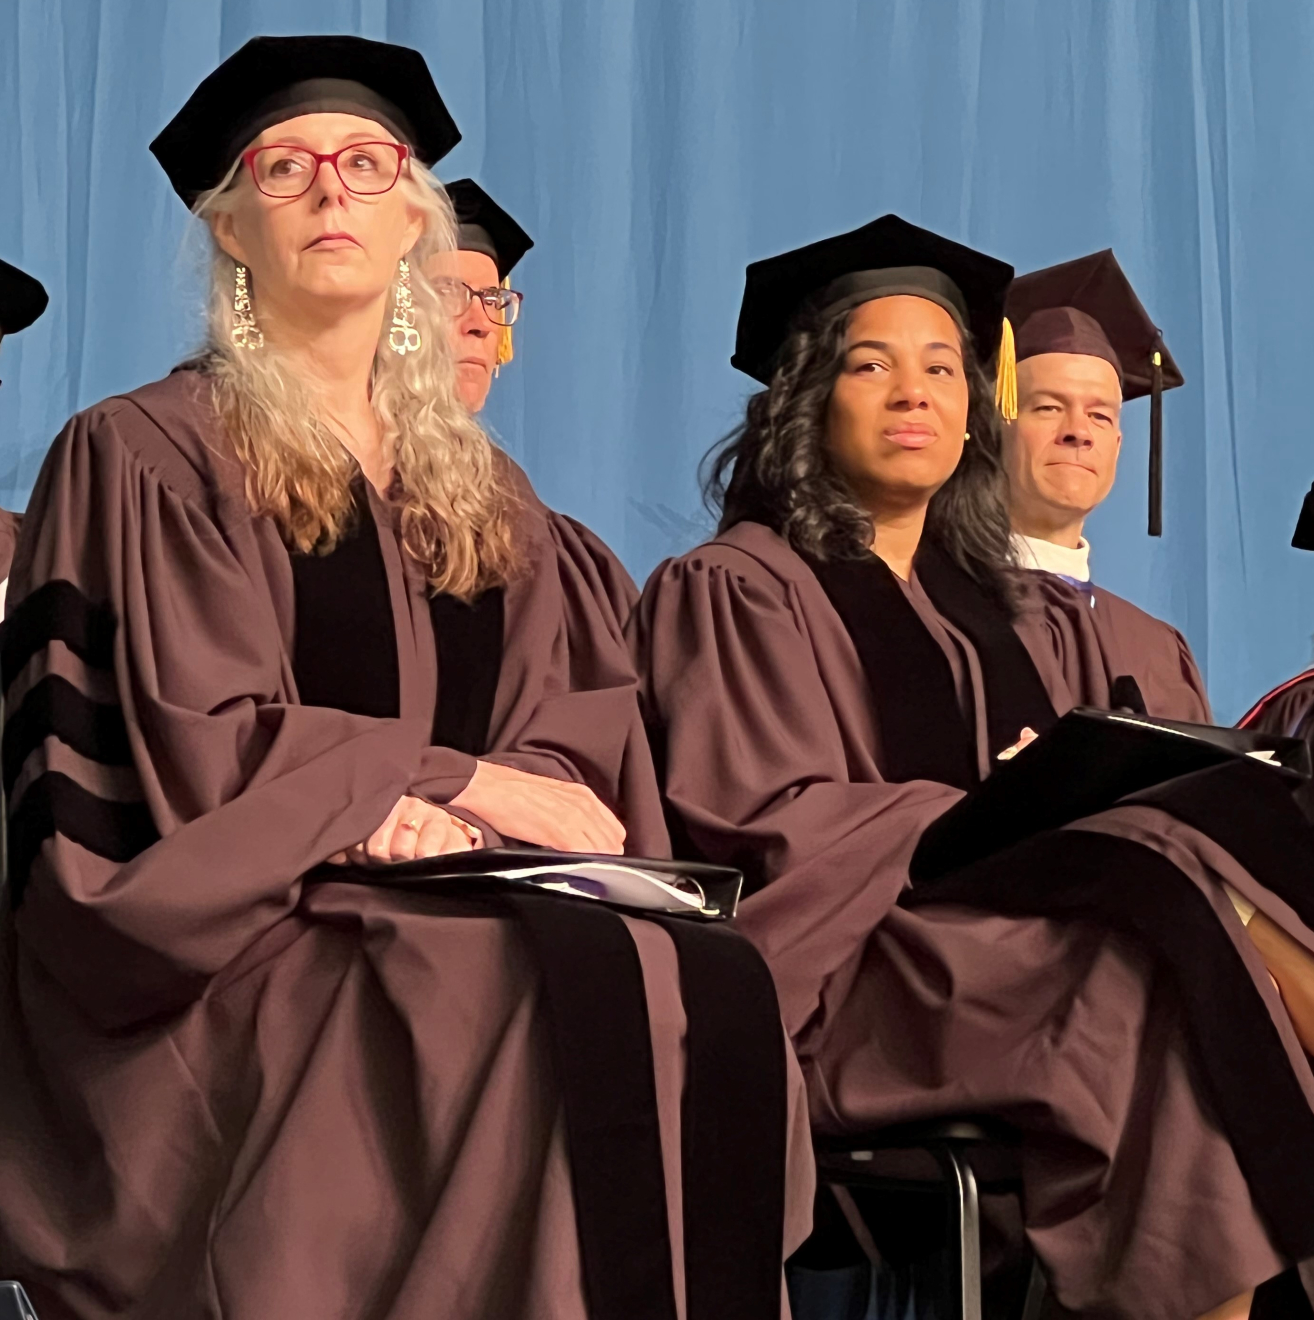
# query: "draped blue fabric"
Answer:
x=653 y=147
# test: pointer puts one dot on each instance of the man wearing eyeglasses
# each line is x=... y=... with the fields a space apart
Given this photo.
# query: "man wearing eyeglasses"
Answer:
x=471 y=283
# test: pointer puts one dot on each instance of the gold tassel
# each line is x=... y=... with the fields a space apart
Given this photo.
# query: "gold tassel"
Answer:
x=1006 y=376
x=505 y=349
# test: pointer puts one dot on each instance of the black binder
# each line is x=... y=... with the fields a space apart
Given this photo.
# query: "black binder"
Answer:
x=1084 y=764
x=469 y=872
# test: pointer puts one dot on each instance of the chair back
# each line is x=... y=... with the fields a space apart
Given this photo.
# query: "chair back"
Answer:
x=14 y=1304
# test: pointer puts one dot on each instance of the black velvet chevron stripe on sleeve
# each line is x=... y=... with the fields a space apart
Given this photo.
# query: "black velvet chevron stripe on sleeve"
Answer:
x=54 y=804
x=54 y=707
x=56 y=612
x=54 y=711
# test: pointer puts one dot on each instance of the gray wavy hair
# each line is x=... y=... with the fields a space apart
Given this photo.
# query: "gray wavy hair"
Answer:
x=455 y=506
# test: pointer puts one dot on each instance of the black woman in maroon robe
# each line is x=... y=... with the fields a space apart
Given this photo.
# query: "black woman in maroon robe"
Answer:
x=839 y=666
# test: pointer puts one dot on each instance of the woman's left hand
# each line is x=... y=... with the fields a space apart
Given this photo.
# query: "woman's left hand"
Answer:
x=1025 y=739
x=413 y=828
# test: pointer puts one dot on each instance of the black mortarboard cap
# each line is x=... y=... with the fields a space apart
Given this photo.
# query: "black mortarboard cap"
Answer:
x=22 y=299
x=1303 y=537
x=485 y=227
x=276 y=78
x=886 y=257
x=1088 y=306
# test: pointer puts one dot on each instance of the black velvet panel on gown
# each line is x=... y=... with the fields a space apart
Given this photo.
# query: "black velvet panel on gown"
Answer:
x=345 y=643
x=734 y=1111
x=923 y=732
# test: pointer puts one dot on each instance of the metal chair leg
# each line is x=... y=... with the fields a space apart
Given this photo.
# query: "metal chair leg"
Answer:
x=965 y=1226
x=1036 y=1290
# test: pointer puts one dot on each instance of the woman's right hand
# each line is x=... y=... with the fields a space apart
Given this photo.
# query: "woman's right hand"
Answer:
x=413 y=828
x=552 y=813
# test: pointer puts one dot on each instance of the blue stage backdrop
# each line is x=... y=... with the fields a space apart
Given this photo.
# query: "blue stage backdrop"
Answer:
x=653 y=147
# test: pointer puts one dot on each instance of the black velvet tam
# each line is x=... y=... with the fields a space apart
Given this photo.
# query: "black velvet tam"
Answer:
x=272 y=79
x=485 y=227
x=22 y=299
x=887 y=257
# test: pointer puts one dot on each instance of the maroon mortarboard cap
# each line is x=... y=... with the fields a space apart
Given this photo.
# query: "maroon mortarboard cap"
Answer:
x=887 y=257
x=1064 y=330
x=22 y=299
x=483 y=226
x=1089 y=307
x=272 y=79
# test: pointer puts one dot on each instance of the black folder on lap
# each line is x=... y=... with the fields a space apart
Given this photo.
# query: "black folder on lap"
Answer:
x=1084 y=764
x=640 y=884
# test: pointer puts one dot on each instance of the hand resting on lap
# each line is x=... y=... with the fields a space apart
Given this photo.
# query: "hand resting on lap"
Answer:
x=413 y=828
x=535 y=809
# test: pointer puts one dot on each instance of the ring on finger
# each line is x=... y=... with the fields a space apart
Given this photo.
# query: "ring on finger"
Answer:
x=473 y=836
x=408 y=825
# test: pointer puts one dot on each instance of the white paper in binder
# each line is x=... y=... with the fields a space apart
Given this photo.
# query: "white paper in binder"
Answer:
x=629 y=886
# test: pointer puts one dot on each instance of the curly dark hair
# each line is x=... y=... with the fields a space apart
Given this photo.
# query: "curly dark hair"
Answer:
x=774 y=468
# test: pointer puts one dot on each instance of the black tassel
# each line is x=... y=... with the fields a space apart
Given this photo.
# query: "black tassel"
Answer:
x=1156 y=446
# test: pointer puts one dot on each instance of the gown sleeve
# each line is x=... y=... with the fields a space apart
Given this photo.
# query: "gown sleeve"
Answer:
x=165 y=793
x=1191 y=679
x=1286 y=710
x=757 y=767
x=10 y=524
x=612 y=587
x=1080 y=650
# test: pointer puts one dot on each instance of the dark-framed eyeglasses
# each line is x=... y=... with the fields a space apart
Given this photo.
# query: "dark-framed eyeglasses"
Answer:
x=454 y=296
x=365 y=168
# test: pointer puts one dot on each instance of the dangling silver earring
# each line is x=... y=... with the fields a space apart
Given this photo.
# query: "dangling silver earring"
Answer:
x=246 y=333
x=404 y=338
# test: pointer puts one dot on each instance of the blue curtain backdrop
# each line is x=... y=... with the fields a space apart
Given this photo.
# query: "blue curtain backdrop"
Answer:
x=653 y=147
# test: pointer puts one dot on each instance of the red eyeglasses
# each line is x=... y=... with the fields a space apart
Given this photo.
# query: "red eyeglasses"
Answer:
x=365 y=168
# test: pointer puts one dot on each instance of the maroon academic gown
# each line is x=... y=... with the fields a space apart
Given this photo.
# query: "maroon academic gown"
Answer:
x=613 y=588
x=1287 y=710
x=10 y=523
x=1152 y=652
x=1078 y=1023
x=228 y=1092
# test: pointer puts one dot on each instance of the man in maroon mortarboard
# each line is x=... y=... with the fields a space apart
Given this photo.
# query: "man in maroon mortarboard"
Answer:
x=473 y=285
x=1084 y=345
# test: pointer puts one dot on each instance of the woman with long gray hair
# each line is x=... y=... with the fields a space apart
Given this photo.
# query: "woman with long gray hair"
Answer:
x=848 y=658
x=285 y=610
